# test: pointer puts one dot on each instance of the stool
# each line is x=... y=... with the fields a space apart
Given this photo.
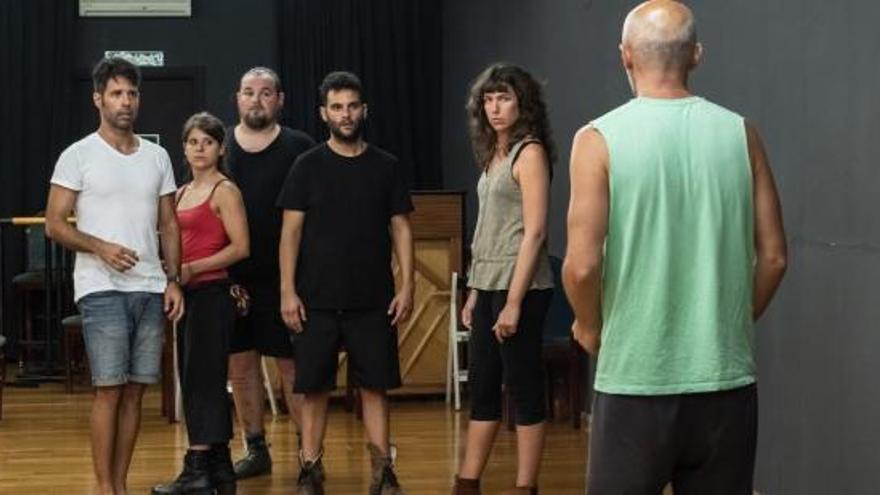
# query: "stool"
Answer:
x=26 y=285
x=32 y=281
x=75 y=359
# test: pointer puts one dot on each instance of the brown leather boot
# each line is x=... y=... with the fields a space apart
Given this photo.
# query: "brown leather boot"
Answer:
x=465 y=486
x=384 y=481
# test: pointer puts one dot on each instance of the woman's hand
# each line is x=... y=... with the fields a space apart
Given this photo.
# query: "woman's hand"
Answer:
x=507 y=322
x=467 y=311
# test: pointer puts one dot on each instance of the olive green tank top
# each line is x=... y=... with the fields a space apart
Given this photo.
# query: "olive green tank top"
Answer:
x=499 y=230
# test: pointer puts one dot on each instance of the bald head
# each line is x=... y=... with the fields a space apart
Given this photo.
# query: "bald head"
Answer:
x=661 y=34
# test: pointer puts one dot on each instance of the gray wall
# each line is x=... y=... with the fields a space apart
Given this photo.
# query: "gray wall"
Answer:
x=550 y=39
x=225 y=38
x=806 y=74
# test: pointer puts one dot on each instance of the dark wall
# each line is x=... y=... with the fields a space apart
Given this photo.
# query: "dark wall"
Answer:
x=806 y=75
x=550 y=40
x=223 y=38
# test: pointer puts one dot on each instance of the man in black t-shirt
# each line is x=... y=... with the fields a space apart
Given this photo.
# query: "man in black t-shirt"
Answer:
x=260 y=155
x=337 y=289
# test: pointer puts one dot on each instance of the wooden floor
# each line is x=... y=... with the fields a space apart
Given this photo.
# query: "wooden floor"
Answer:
x=44 y=449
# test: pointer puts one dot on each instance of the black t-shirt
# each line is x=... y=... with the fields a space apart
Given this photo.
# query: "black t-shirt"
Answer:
x=345 y=251
x=260 y=176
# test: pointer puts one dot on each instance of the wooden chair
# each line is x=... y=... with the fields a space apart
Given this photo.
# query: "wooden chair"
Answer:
x=563 y=357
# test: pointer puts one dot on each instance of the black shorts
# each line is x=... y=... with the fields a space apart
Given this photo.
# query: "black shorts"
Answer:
x=701 y=443
x=366 y=335
x=262 y=330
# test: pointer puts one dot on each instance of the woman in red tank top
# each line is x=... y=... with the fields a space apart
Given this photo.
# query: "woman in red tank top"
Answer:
x=214 y=235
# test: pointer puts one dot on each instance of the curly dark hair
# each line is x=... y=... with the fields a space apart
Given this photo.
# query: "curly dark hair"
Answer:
x=532 y=120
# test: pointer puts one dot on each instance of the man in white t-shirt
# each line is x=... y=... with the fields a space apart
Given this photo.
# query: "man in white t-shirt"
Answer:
x=121 y=189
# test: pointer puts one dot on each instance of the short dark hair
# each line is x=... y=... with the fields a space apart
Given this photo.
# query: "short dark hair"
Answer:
x=337 y=81
x=111 y=68
x=212 y=126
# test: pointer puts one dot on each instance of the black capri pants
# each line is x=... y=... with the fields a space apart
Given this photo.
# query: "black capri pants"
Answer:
x=516 y=361
x=202 y=359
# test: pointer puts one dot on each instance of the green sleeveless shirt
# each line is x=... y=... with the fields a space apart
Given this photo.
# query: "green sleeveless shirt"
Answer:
x=679 y=255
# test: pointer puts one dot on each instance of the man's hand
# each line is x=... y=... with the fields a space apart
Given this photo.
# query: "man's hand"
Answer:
x=173 y=301
x=589 y=339
x=293 y=311
x=401 y=306
x=508 y=320
x=467 y=311
x=119 y=257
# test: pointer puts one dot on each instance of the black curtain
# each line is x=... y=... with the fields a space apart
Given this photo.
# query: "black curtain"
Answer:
x=394 y=46
x=36 y=57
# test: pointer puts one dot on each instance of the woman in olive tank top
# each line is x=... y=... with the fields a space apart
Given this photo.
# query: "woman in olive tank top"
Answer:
x=510 y=280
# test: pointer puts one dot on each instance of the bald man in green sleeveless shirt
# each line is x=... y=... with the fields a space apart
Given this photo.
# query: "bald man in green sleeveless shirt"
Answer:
x=675 y=247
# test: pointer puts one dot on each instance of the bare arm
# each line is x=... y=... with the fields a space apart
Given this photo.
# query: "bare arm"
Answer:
x=532 y=172
x=770 y=245
x=293 y=312
x=59 y=206
x=587 y=228
x=170 y=238
x=401 y=236
x=169 y=235
x=231 y=210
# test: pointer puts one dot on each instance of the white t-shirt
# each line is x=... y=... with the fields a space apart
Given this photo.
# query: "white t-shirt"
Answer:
x=118 y=202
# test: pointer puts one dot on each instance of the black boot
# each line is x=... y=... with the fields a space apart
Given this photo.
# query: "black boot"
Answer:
x=310 y=480
x=257 y=461
x=220 y=470
x=318 y=464
x=194 y=478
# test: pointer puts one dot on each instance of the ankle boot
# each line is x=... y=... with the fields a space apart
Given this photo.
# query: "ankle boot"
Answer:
x=257 y=461
x=310 y=480
x=194 y=478
x=220 y=470
x=318 y=463
x=465 y=486
x=383 y=480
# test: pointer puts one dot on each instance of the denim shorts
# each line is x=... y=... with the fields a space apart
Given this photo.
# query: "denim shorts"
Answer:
x=123 y=332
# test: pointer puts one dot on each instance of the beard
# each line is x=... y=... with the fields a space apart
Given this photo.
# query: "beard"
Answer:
x=258 y=119
x=353 y=136
x=116 y=120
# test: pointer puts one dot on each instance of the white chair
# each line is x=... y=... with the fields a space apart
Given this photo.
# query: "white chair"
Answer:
x=456 y=370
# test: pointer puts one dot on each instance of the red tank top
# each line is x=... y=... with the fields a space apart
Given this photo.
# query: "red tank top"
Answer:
x=202 y=234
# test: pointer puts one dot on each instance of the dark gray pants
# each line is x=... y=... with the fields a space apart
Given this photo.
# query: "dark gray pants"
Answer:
x=202 y=360
x=701 y=443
